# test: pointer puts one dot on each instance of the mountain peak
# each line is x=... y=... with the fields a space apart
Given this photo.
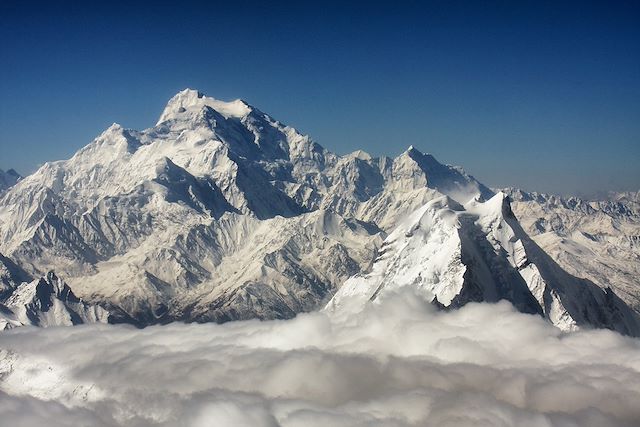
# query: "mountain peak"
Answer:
x=418 y=156
x=188 y=102
x=360 y=154
x=8 y=179
x=14 y=173
x=412 y=151
x=450 y=180
x=115 y=132
x=188 y=92
x=115 y=127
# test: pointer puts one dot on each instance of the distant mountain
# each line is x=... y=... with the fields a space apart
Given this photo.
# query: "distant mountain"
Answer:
x=220 y=212
x=8 y=179
x=595 y=239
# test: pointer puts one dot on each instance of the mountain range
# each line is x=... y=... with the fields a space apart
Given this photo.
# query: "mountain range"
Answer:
x=220 y=212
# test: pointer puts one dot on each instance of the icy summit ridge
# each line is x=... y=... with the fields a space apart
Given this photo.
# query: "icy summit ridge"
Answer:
x=190 y=101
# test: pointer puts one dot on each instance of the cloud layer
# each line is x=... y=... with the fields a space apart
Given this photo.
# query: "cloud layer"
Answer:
x=399 y=363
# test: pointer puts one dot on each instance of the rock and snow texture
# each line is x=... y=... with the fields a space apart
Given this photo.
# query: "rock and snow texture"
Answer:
x=478 y=252
x=11 y=276
x=597 y=240
x=47 y=301
x=8 y=179
x=219 y=212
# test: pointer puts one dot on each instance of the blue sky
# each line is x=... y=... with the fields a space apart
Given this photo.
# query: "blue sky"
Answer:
x=539 y=95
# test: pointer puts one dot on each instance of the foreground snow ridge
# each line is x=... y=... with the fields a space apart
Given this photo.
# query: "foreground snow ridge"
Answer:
x=220 y=212
x=478 y=252
x=396 y=362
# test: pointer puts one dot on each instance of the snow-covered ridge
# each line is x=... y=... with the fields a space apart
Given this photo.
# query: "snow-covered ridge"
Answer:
x=191 y=101
x=595 y=239
x=220 y=212
x=45 y=302
x=478 y=252
x=614 y=203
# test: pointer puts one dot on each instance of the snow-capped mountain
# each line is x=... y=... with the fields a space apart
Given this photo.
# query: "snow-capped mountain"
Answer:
x=8 y=179
x=479 y=252
x=220 y=212
x=11 y=276
x=45 y=302
x=595 y=239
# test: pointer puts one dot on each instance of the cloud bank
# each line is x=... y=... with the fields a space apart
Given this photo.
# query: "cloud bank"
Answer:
x=398 y=363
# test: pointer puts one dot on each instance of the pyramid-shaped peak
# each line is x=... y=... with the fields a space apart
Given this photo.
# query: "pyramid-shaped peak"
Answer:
x=14 y=173
x=413 y=150
x=8 y=179
x=414 y=153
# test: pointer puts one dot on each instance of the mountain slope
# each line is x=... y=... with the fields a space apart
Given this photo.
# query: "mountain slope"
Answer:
x=479 y=252
x=219 y=212
x=597 y=240
x=11 y=276
x=147 y=221
x=46 y=302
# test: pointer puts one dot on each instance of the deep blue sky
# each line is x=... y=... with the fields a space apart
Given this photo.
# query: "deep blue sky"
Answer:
x=540 y=95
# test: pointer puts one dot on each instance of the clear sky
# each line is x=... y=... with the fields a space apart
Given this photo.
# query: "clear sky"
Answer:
x=539 y=95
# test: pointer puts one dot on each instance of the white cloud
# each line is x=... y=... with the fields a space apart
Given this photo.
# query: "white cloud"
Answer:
x=399 y=363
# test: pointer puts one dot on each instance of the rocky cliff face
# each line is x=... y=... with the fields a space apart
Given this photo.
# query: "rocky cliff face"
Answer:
x=45 y=302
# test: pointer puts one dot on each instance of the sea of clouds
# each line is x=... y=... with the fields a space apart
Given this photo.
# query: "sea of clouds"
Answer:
x=398 y=363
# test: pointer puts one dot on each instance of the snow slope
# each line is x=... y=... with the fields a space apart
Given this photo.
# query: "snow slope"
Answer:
x=479 y=252
x=597 y=240
x=45 y=302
